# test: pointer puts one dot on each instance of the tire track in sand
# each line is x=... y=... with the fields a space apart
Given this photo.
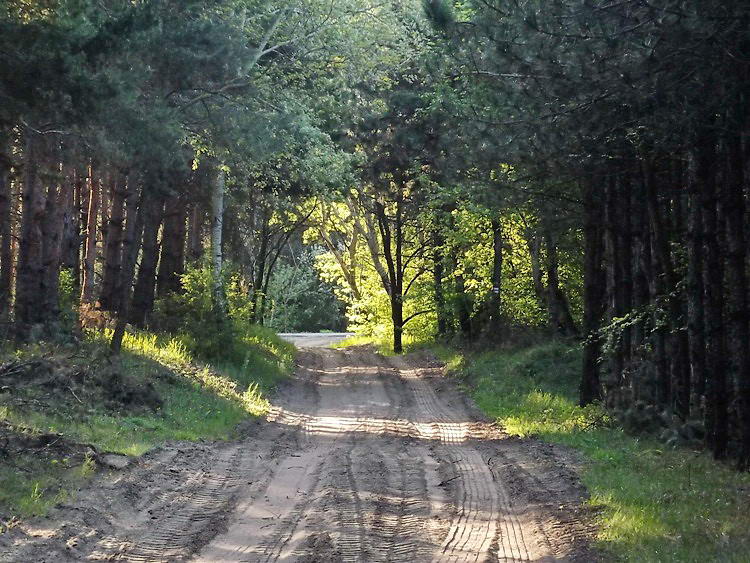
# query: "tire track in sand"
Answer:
x=204 y=501
x=484 y=522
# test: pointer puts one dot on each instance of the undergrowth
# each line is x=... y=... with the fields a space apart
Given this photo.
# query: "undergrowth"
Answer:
x=653 y=503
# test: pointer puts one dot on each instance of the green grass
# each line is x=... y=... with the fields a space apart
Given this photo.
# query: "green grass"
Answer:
x=654 y=503
x=198 y=401
x=31 y=485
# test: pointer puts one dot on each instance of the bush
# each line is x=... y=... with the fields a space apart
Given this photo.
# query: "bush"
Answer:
x=206 y=331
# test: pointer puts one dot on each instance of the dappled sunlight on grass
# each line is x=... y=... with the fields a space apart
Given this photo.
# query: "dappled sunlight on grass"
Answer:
x=540 y=413
x=653 y=503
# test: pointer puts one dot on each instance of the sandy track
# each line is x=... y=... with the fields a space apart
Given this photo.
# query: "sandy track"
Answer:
x=363 y=458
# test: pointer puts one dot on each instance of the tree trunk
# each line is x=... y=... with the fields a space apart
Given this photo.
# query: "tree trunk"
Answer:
x=106 y=194
x=679 y=353
x=590 y=389
x=397 y=317
x=217 y=225
x=52 y=230
x=394 y=281
x=71 y=243
x=260 y=269
x=661 y=284
x=131 y=243
x=145 y=286
x=625 y=263
x=534 y=244
x=640 y=269
x=195 y=234
x=733 y=202
x=695 y=293
x=463 y=309
x=561 y=319
x=713 y=279
x=92 y=188
x=6 y=240
x=172 y=262
x=28 y=306
x=496 y=300
x=398 y=294
x=113 y=248
x=614 y=380
x=438 y=273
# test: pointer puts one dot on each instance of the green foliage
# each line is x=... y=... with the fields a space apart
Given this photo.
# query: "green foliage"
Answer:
x=468 y=248
x=68 y=300
x=654 y=503
x=440 y=12
x=205 y=332
x=191 y=314
x=300 y=301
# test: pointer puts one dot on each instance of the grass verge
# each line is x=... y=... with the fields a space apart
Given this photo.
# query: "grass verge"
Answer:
x=654 y=503
x=155 y=392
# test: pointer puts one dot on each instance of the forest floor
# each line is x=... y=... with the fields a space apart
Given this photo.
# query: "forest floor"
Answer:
x=360 y=458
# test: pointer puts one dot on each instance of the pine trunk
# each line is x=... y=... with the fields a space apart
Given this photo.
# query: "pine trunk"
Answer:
x=145 y=286
x=71 y=243
x=52 y=230
x=733 y=202
x=590 y=389
x=195 y=234
x=110 y=290
x=625 y=263
x=29 y=309
x=561 y=319
x=172 y=262
x=713 y=280
x=659 y=284
x=696 y=306
x=260 y=270
x=438 y=271
x=131 y=244
x=640 y=269
x=614 y=308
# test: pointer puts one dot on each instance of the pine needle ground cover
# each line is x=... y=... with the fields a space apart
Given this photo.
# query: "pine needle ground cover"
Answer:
x=654 y=503
x=55 y=401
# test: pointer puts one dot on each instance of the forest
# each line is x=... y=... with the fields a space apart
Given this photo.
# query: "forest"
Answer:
x=481 y=174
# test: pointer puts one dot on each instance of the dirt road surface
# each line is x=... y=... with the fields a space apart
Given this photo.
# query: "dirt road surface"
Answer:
x=363 y=458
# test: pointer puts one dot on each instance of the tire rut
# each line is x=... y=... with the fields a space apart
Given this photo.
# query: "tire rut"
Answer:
x=204 y=503
x=484 y=521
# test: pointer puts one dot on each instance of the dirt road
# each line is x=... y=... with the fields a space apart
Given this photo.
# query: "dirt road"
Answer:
x=363 y=458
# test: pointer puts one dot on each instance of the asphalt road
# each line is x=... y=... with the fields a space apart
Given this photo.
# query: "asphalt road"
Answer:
x=315 y=339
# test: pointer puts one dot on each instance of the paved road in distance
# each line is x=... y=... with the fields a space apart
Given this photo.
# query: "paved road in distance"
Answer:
x=315 y=339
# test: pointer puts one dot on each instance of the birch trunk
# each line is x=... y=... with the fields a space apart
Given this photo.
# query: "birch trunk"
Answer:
x=89 y=259
x=217 y=225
